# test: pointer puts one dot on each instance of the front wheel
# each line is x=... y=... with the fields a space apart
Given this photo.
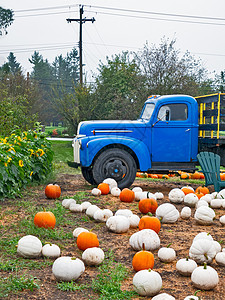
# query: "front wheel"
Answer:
x=117 y=164
x=88 y=175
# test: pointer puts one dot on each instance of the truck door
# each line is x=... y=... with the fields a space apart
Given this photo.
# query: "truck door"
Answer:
x=171 y=134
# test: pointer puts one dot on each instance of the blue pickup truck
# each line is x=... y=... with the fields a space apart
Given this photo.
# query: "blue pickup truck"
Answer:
x=166 y=138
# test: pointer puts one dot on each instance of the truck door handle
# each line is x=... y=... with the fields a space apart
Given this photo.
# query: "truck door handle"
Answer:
x=187 y=130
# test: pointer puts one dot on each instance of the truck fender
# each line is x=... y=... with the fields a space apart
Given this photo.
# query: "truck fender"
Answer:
x=138 y=147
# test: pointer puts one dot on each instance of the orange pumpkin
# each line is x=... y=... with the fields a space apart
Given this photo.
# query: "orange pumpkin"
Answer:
x=185 y=176
x=222 y=176
x=87 y=240
x=148 y=222
x=187 y=190
x=52 y=191
x=143 y=260
x=45 y=219
x=127 y=195
x=104 y=188
x=143 y=175
x=195 y=175
x=154 y=176
x=202 y=176
x=199 y=194
x=148 y=205
x=165 y=176
x=160 y=175
x=202 y=189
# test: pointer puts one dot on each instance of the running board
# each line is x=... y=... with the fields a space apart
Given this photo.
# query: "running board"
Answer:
x=171 y=167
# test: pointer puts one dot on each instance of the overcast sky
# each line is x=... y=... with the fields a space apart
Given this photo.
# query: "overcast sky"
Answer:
x=197 y=25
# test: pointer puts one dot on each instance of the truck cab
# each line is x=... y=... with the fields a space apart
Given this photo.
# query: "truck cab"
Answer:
x=163 y=139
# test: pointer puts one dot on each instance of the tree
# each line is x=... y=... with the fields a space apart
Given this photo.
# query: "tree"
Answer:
x=167 y=72
x=120 y=89
x=12 y=66
x=6 y=19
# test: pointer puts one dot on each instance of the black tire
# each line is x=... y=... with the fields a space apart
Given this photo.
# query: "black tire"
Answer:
x=88 y=175
x=117 y=164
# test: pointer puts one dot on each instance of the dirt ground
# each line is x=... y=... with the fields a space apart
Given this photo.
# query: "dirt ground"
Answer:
x=179 y=234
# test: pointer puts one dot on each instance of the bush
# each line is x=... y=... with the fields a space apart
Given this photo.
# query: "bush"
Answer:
x=24 y=157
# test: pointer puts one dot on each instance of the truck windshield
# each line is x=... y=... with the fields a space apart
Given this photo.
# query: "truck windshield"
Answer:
x=147 y=111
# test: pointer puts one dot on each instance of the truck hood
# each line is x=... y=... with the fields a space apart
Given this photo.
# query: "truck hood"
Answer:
x=109 y=127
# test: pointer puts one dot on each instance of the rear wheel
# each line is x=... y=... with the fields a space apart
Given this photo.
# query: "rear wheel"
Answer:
x=88 y=175
x=117 y=164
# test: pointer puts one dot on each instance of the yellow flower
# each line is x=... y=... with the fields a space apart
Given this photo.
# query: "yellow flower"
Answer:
x=19 y=139
x=41 y=152
x=5 y=164
x=11 y=149
x=31 y=152
x=5 y=140
x=31 y=173
x=21 y=163
x=9 y=159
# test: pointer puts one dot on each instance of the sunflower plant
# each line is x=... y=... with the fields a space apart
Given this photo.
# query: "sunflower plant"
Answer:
x=25 y=156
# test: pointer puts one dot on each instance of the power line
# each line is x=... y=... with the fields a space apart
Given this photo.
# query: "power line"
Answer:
x=160 y=19
x=157 y=13
x=45 y=8
x=44 y=14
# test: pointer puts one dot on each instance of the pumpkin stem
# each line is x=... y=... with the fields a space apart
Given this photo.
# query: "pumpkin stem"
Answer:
x=143 y=246
x=205 y=256
x=149 y=214
x=44 y=209
x=195 y=294
x=73 y=258
x=48 y=243
x=149 y=270
x=168 y=245
x=187 y=258
x=205 y=265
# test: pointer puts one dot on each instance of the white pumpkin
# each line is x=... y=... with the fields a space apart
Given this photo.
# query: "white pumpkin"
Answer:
x=124 y=212
x=176 y=195
x=166 y=254
x=217 y=246
x=67 y=268
x=159 y=195
x=147 y=282
x=220 y=258
x=137 y=189
x=51 y=250
x=163 y=296
x=204 y=215
x=222 y=194
x=134 y=221
x=148 y=237
x=93 y=256
x=222 y=220
x=74 y=207
x=29 y=246
x=201 y=203
x=186 y=266
x=202 y=250
x=191 y=199
x=193 y=297
x=216 y=203
x=91 y=210
x=96 y=192
x=216 y=195
x=102 y=215
x=137 y=196
x=203 y=235
x=118 y=224
x=205 y=277
x=185 y=213
x=223 y=203
x=66 y=202
x=167 y=213
x=78 y=230
x=111 y=182
x=144 y=195
x=85 y=205
x=207 y=198
x=115 y=191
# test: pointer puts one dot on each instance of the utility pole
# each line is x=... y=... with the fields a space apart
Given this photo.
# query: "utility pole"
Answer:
x=81 y=21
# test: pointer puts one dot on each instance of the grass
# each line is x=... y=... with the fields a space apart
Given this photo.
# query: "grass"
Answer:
x=108 y=282
x=15 y=283
x=71 y=286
